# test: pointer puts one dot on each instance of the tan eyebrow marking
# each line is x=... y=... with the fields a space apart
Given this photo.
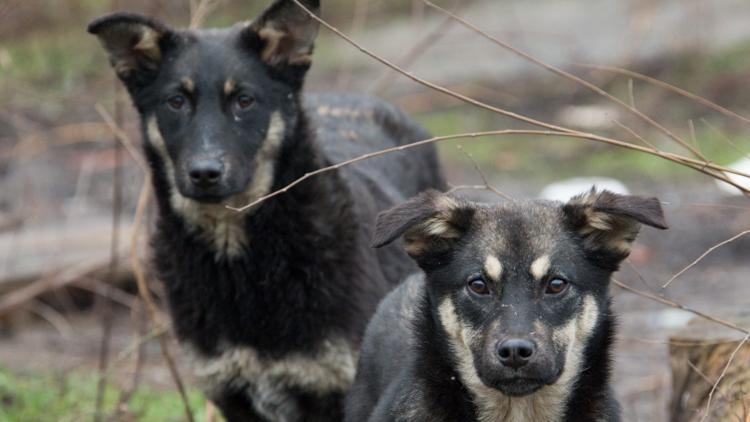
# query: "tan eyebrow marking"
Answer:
x=188 y=84
x=229 y=86
x=493 y=268
x=540 y=266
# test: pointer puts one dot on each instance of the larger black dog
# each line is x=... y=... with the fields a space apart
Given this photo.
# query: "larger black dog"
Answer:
x=510 y=321
x=271 y=303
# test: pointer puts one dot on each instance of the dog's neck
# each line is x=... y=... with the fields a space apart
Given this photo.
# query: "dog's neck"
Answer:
x=446 y=375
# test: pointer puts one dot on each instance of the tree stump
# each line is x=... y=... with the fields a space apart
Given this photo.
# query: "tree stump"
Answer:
x=699 y=355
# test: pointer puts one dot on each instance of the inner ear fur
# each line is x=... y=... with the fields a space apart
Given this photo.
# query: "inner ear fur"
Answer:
x=430 y=223
x=287 y=33
x=132 y=42
x=608 y=223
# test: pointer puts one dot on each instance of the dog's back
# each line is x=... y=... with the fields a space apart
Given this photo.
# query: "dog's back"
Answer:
x=351 y=125
x=348 y=126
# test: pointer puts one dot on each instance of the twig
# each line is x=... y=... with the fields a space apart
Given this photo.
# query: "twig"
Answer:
x=122 y=137
x=694 y=164
x=63 y=135
x=105 y=304
x=52 y=316
x=673 y=304
x=636 y=135
x=21 y=296
x=701 y=166
x=428 y=84
x=145 y=293
x=358 y=22
x=417 y=50
x=479 y=170
x=721 y=376
x=693 y=137
x=713 y=106
x=140 y=319
x=571 y=77
x=711 y=249
x=631 y=93
x=726 y=139
x=700 y=373
x=114 y=294
x=199 y=11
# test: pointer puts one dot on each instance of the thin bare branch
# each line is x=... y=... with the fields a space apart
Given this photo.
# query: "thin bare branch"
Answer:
x=148 y=299
x=479 y=170
x=703 y=255
x=688 y=162
x=392 y=150
x=722 y=375
x=417 y=50
x=571 y=77
x=428 y=84
x=55 y=318
x=21 y=296
x=122 y=137
x=200 y=10
x=636 y=135
x=693 y=136
x=697 y=98
x=103 y=302
x=703 y=166
x=676 y=305
x=726 y=139
x=631 y=93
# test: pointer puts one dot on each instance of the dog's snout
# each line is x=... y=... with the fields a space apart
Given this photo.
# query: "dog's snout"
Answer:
x=516 y=352
x=205 y=173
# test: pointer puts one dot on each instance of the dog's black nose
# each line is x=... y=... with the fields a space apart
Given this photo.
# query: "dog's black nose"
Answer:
x=205 y=173
x=516 y=352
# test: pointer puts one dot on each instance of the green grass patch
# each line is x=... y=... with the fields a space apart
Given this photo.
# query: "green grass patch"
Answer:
x=543 y=157
x=71 y=397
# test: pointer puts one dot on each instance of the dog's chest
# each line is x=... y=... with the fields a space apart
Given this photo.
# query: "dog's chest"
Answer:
x=270 y=382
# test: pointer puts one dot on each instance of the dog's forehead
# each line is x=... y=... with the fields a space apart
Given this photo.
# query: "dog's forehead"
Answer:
x=531 y=228
x=215 y=53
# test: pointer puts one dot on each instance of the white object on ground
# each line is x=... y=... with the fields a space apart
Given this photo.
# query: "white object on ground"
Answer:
x=744 y=166
x=566 y=189
x=588 y=116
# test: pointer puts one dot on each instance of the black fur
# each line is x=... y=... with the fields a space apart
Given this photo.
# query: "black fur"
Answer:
x=410 y=366
x=306 y=275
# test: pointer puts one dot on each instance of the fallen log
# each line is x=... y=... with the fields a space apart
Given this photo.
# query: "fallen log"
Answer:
x=34 y=252
x=23 y=295
x=711 y=372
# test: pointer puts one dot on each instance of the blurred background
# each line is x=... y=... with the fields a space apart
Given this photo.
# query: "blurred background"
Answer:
x=69 y=149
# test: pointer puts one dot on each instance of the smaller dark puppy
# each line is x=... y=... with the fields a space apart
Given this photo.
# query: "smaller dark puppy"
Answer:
x=510 y=320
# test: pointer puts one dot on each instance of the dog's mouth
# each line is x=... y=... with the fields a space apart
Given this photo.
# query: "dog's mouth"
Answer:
x=207 y=198
x=220 y=194
x=519 y=387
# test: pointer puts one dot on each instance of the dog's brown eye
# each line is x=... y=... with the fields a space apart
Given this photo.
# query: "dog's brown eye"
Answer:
x=479 y=287
x=556 y=286
x=176 y=102
x=244 y=101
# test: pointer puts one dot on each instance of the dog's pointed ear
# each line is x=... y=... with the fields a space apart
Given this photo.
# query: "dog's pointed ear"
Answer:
x=608 y=223
x=431 y=223
x=133 y=44
x=285 y=33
